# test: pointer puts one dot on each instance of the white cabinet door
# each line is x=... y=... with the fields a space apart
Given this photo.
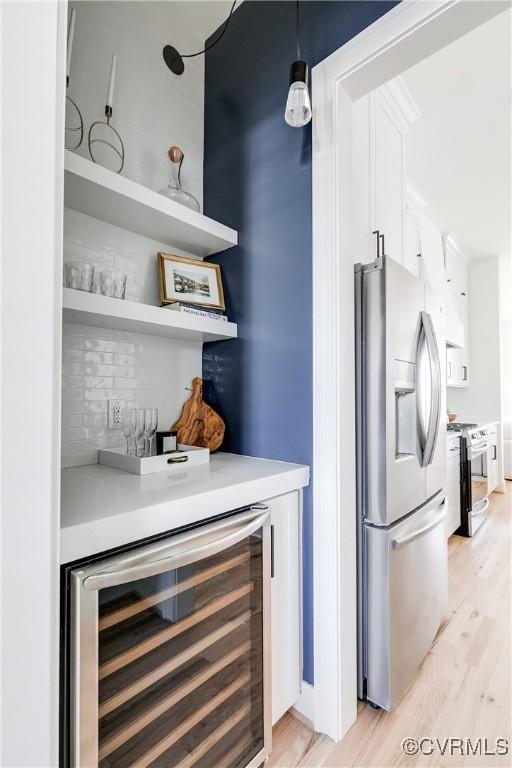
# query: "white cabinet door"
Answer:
x=457 y=274
x=451 y=377
x=411 y=242
x=464 y=361
x=387 y=167
x=285 y=513
x=453 y=488
x=457 y=358
x=450 y=269
x=492 y=459
x=462 y=281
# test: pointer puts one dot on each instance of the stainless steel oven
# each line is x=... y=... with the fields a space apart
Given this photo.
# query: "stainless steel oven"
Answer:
x=474 y=485
x=477 y=457
x=170 y=650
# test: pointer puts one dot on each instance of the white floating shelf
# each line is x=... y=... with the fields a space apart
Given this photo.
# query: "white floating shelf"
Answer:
x=102 y=194
x=103 y=312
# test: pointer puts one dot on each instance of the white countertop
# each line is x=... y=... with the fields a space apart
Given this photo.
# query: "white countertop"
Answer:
x=103 y=508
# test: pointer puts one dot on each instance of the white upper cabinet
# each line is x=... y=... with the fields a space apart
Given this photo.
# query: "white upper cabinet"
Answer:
x=388 y=181
x=392 y=112
x=457 y=271
x=457 y=277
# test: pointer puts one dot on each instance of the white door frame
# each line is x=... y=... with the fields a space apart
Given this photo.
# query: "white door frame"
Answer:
x=412 y=31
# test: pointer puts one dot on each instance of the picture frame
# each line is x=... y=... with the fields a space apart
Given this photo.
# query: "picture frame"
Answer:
x=191 y=281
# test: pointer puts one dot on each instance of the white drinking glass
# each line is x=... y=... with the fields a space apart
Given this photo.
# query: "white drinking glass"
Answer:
x=150 y=427
x=78 y=275
x=138 y=430
x=118 y=284
x=127 y=429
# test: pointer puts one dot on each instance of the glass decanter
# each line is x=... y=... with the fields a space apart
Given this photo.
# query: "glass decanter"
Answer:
x=174 y=191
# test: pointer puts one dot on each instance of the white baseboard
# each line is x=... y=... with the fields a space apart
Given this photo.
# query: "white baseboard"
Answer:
x=304 y=707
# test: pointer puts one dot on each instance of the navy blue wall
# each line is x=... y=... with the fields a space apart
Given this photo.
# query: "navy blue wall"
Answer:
x=257 y=179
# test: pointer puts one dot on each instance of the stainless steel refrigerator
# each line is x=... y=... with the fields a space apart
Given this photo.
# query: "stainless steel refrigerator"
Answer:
x=401 y=461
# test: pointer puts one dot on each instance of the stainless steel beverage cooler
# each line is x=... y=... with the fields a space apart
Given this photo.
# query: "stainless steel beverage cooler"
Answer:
x=169 y=650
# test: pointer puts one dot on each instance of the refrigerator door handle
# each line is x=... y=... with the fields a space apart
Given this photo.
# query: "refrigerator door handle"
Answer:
x=401 y=540
x=427 y=343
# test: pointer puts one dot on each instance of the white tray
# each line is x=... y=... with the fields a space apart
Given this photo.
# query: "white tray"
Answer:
x=187 y=456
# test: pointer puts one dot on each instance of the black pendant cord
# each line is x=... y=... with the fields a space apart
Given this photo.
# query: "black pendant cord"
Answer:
x=221 y=35
x=297 y=29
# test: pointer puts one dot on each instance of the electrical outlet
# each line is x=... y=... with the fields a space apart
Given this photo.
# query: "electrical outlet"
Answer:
x=115 y=413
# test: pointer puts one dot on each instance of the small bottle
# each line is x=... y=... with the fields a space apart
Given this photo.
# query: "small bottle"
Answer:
x=174 y=191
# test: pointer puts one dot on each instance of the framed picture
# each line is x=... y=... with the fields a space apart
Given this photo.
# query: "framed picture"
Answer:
x=190 y=280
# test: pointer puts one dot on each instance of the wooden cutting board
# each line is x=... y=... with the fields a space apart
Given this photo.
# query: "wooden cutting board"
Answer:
x=199 y=424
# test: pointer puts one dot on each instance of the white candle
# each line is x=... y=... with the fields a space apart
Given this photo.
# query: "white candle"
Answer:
x=71 y=34
x=110 y=94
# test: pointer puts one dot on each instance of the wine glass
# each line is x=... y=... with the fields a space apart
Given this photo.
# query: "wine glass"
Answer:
x=128 y=424
x=138 y=429
x=150 y=425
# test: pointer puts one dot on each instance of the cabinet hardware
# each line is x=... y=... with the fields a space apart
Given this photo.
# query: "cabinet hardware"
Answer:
x=271 y=551
x=177 y=460
x=465 y=374
x=377 y=232
x=463 y=293
x=449 y=370
x=494 y=453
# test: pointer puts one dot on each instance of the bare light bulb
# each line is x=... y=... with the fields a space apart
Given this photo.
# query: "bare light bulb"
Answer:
x=298 y=104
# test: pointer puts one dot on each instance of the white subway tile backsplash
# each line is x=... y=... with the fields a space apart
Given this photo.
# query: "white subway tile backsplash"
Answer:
x=99 y=358
x=71 y=420
x=120 y=359
x=124 y=383
x=100 y=364
x=98 y=345
x=84 y=407
x=72 y=395
x=142 y=370
x=94 y=419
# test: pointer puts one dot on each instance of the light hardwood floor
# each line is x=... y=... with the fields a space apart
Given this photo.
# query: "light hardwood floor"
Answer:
x=463 y=686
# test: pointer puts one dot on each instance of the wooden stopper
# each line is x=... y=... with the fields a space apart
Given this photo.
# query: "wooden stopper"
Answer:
x=175 y=155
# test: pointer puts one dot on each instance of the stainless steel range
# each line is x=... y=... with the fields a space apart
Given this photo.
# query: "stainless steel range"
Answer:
x=474 y=502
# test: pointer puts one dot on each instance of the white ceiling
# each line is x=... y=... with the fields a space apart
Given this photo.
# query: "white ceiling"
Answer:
x=458 y=151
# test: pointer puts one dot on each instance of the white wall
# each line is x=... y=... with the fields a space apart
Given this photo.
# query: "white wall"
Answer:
x=505 y=276
x=100 y=364
x=481 y=401
x=32 y=89
x=153 y=109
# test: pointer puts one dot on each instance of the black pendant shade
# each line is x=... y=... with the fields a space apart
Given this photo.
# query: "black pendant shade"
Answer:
x=298 y=72
x=173 y=59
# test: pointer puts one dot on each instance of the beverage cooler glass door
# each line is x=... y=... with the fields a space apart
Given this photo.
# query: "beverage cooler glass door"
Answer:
x=170 y=662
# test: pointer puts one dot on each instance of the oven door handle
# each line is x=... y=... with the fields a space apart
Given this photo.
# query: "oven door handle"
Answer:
x=479 y=510
x=184 y=549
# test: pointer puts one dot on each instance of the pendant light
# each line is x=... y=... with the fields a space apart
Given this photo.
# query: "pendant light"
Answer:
x=174 y=59
x=298 y=105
